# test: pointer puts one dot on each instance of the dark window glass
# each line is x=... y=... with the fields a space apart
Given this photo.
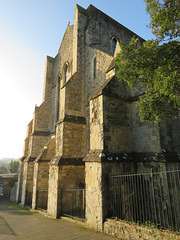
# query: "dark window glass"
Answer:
x=114 y=42
x=95 y=67
x=66 y=73
x=58 y=98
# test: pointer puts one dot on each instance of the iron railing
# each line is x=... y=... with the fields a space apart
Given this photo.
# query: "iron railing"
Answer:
x=41 y=199
x=73 y=203
x=28 y=199
x=146 y=198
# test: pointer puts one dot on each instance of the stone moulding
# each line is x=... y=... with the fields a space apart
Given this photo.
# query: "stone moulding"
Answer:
x=73 y=119
x=103 y=156
x=40 y=133
x=60 y=160
x=30 y=159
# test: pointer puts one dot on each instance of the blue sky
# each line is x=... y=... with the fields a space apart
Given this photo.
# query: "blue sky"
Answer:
x=29 y=31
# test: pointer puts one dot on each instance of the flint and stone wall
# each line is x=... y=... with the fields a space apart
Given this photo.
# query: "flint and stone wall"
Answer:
x=70 y=177
x=94 y=195
x=40 y=180
x=52 y=209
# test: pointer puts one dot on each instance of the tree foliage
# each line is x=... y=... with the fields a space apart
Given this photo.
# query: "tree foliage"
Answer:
x=13 y=180
x=153 y=65
x=13 y=166
x=165 y=18
x=3 y=169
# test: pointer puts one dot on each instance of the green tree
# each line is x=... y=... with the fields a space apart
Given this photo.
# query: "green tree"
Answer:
x=13 y=180
x=154 y=65
x=13 y=166
x=3 y=169
x=165 y=17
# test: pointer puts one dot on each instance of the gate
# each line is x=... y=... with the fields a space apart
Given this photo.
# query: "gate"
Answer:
x=42 y=198
x=28 y=199
x=73 y=203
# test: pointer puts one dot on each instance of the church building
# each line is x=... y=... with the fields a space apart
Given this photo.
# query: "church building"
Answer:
x=87 y=126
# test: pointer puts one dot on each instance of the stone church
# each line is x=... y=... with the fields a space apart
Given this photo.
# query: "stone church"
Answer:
x=87 y=125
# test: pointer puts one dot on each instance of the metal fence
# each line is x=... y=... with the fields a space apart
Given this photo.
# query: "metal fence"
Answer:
x=28 y=199
x=41 y=199
x=146 y=198
x=73 y=203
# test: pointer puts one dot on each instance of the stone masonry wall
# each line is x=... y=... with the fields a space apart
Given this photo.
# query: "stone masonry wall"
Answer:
x=74 y=142
x=126 y=231
x=53 y=191
x=42 y=114
x=24 y=183
x=39 y=128
x=94 y=195
x=40 y=180
x=96 y=123
x=93 y=85
x=96 y=179
x=26 y=141
x=41 y=118
x=117 y=125
x=80 y=22
x=66 y=49
x=70 y=177
x=30 y=173
x=59 y=138
x=56 y=74
x=102 y=28
x=146 y=136
x=27 y=184
x=35 y=180
x=49 y=150
x=53 y=110
x=74 y=99
x=43 y=176
x=60 y=178
x=170 y=137
x=36 y=144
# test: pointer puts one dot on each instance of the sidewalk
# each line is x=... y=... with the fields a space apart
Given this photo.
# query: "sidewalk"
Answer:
x=19 y=224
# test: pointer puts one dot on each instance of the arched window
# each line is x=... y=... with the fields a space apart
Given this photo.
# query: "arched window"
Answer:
x=114 y=42
x=95 y=68
x=66 y=74
x=58 y=98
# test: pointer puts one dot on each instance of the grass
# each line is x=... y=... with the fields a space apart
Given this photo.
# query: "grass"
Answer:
x=81 y=227
x=22 y=209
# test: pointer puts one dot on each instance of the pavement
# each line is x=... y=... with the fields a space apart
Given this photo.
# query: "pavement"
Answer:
x=20 y=224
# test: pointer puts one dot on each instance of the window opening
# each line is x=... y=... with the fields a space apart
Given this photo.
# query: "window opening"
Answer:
x=95 y=67
x=114 y=42
x=66 y=73
x=58 y=98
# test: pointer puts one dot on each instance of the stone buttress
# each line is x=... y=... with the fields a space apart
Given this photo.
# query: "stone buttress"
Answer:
x=66 y=169
x=37 y=136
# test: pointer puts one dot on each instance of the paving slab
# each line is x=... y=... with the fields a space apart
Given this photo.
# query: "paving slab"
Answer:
x=21 y=224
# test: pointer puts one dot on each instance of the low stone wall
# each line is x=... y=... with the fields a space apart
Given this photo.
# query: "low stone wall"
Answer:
x=124 y=230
